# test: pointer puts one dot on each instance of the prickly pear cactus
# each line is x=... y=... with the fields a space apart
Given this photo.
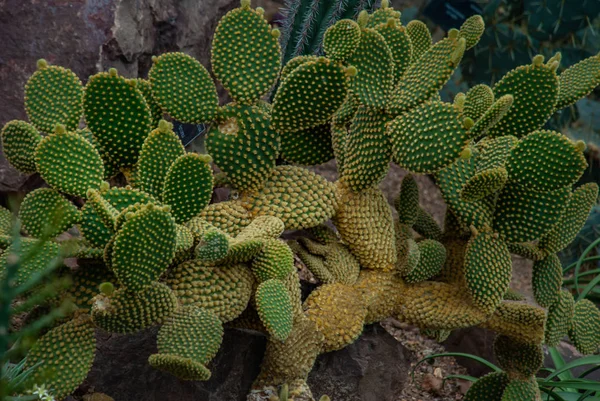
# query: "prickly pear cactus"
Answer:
x=157 y=252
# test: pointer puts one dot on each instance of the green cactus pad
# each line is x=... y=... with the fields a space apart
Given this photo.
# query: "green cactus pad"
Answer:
x=183 y=243
x=344 y=115
x=275 y=260
x=299 y=197
x=188 y=186
x=383 y=15
x=578 y=81
x=529 y=85
x=245 y=54
x=546 y=161
x=585 y=330
x=145 y=88
x=46 y=212
x=309 y=95
x=224 y=290
x=397 y=39
x=127 y=311
x=471 y=30
x=274 y=307
x=560 y=319
x=243 y=145
x=451 y=180
x=484 y=184
x=518 y=358
x=495 y=152
x=339 y=138
x=143 y=247
x=492 y=116
x=181 y=367
x=86 y=281
x=524 y=215
x=307 y=147
x=91 y=226
x=6 y=220
x=62 y=358
x=420 y=38
x=191 y=333
x=35 y=257
x=488 y=270
x=213 y=246
x=520 y=321
x=478 y=100
x=53 y=95
x=173 y=77
x=368 y=151
x=426 y=76
x=120 y=131
x=547 y=280
x=428 y=138
x=522 y=390
x=19 y=141
x=161 y=148
x=426 y=226
x=291 y=66
x=69 y=163
x=431 y=259
x=341 y=40
x=512 y=295
x=572 y=220
x=375 y=65
x=488 y=388
x=230 y=217
x=107 y=213
x=407 y=202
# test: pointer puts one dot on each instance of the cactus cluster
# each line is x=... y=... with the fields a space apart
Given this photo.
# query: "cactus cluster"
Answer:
x=156 y=252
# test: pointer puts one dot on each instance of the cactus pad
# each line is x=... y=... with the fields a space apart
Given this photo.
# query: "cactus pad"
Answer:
x=368 y=151
x=53 y=95
x=478 y=100
x=143 y=247
x=188 y=186
x=309 y=95
x=245 y=54
x=560 y=318
x=223 y=290
x=518 y=358
x=126 y=311
x=307 y=147
x=161 y=148
x=192 y=334
x=420 y=38
x=585 y=330
x=275 y=260
x=488 y=270
x=375 y=65
x=341 y=40
x=46 y=212
x=63 y=356
x=546 y=161
x=578 y=81
x=120 y=131
x=547 y=280
x=299 y=197
x=19 y=141
x=428 y=138
x=432 y=256
x=339 y=313
x=274 y=307
x=244 y=145
x=69 y=163
x=173 y=77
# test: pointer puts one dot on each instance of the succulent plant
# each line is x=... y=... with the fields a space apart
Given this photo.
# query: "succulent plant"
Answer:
x=156 y=252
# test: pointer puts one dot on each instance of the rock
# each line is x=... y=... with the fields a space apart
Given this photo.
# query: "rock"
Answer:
x=374 y=368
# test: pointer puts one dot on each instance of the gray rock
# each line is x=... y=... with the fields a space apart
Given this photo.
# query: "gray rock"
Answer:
x=374 y=368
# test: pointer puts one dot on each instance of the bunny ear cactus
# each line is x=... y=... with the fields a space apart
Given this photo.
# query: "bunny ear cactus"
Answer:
x=157 y=252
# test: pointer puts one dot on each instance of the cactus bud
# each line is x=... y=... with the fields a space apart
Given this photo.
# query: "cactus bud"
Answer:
x=41 y=64
x=453 y=33
x=538 y=60
x=113 y=72
x=363 y=18
x=107 y=288
x=275 y=32
x=580 y=146
x=466 y=153
x=245 y=3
